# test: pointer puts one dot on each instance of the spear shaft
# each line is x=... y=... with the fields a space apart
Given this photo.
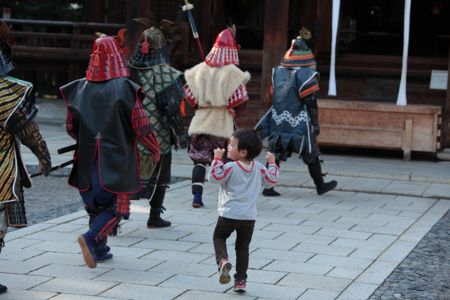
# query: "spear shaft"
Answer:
x=188 y=7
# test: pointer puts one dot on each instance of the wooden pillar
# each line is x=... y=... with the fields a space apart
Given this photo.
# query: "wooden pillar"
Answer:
x=218 y=23
x=136 y=9
x=202 y=15
x=445 y=135
x=323 y=19
x=275 y=41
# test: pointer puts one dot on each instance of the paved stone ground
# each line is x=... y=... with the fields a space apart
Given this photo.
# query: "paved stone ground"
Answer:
x=338 y=246
x=425 y=273
x=342 y=245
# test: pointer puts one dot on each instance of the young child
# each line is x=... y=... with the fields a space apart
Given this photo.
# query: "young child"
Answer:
x=241 y=183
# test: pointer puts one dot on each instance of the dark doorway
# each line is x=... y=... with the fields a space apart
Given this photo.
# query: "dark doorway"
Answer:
x=248 y=16
x=376 y=27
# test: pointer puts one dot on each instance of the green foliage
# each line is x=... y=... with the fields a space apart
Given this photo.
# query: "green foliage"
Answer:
x=63 y=10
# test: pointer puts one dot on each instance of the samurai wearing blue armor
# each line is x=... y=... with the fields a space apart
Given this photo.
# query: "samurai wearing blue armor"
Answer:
x=292 y=124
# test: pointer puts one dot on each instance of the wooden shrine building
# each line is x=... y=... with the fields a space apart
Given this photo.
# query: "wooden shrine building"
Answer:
x=368 y=58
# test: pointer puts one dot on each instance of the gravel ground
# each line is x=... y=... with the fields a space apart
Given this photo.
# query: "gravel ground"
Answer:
x=425 y=273
x=51 y=197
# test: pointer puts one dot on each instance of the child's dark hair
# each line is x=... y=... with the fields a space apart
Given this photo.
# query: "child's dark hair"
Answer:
x=248 y=139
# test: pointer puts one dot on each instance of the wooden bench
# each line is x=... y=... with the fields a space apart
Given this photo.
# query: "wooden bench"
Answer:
x=379 y=125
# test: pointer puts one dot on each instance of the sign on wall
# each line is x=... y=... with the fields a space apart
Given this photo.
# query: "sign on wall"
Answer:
x=439 y=80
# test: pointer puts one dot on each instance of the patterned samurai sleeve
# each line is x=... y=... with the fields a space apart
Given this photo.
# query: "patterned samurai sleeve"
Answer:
x=143 y=130
x=29 y=135
x=71 y=125
x=145 y=135
x=310 y=87
x=122 y=205
x=238 y=97
x=189 y=97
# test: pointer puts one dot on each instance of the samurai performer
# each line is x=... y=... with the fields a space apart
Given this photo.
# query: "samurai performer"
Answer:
x=149 y=66
x=292 y=123
x=106 y=118
x=216 y=88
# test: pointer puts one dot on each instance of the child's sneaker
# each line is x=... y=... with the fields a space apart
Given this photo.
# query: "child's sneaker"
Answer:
x=240 y=286
x=224 y=271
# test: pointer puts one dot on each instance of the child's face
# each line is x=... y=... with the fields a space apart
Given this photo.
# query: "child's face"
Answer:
x=232 y=150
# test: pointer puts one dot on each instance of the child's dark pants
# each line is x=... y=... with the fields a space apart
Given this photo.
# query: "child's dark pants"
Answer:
x=244 y=232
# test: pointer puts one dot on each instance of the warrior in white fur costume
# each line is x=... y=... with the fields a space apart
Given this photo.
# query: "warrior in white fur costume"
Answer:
x=215 y=88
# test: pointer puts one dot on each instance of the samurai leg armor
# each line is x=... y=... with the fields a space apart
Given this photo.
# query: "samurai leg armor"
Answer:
x=99 y=205
x=102 y=243
x=156 y=208
x=161 y=179
x=315 y=170
x=15 y=211
x=313 y=113
x=102 y=221
x=160 y=176
x=198 y=178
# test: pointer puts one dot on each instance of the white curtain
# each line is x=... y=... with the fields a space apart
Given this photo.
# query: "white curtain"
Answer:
x=335 y=23
x=401 y=98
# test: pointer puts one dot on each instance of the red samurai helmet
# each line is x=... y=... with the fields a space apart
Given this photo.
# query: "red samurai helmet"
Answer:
x=106 y=60
x=225 y=50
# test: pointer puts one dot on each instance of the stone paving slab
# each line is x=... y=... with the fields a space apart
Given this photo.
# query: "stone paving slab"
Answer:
x=437 y=190
x=201 y=295
x=407 y=188
x=358 y=291
x=313 y=294
x=69 y=286
x=22 y=294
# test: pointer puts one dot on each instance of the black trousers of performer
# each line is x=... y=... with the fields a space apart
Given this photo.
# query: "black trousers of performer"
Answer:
x=159 y=182
x=310 y=158
x=99 y=205
x=198 y=178
x=244 y=232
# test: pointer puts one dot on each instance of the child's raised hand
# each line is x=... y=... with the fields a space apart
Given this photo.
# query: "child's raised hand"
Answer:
x=218 y=153
x=270 y=157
